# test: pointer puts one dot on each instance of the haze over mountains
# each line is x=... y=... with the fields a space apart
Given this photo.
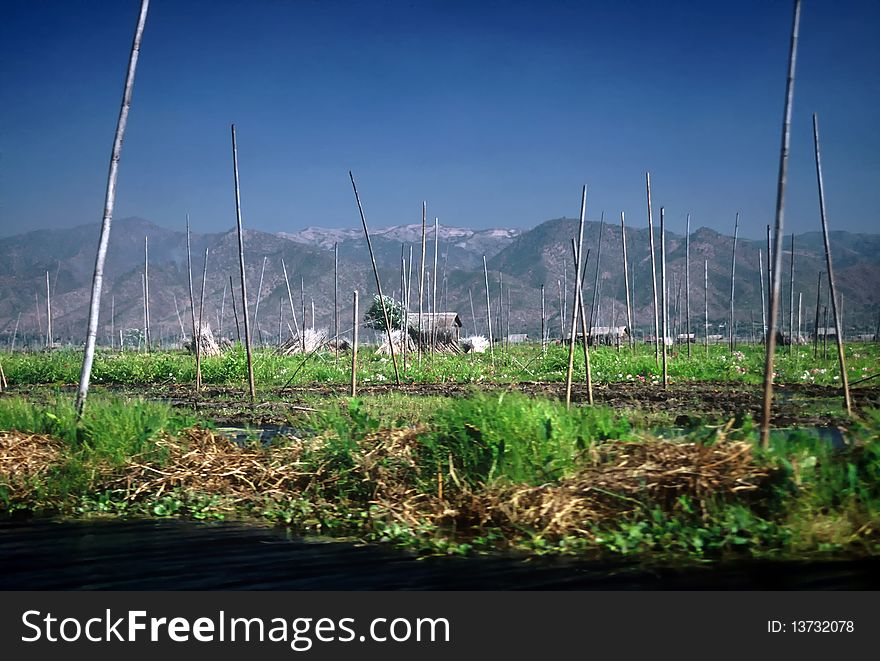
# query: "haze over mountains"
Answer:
x=524 y=260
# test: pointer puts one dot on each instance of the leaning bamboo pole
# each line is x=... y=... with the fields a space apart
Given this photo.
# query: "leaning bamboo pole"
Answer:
x=687 y=282
x=731 y=332
x=777 y=253
x=290 y=300
x=109 y=200
x=663 y=294
x=653 y=273
x=259 y=298
x=577 y=300
x=378 y=281
x=841 y=357
x=582 y=315
x=198 y=339
x=192 y=308
x=244 y=300
x=769 y=271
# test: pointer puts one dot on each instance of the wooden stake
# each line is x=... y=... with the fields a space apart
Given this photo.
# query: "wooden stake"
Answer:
x=15 y=333
x=582 y=315
x=244 y=299
x=109 y=200
x=841 y=357
x=791 y=301
x=594 y=309
x=763 y=308
x=687 y=282
x=653 y=274
x=147 y=292
x=48 y=314
x=577 y=300
x=192 y=309
x=378 y=282
x=434 y=286
x=422 y=280
x=336 y=298
x=222 y=313
x=235 y=312
x=543 y=317
x=354 y=346
x=257 y=306
x=663 y=294
x=733 y=285
x=777 y=254
x=201 y=309
x=489 y=313
x=144 y=310
x=290 y=300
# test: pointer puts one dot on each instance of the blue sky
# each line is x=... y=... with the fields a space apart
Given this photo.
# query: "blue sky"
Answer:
x=495 y=112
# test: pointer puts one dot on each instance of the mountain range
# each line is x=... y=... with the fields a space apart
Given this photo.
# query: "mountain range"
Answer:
x=520 y=261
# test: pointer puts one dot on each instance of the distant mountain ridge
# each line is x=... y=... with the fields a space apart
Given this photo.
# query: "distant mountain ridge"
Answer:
x=523 y=259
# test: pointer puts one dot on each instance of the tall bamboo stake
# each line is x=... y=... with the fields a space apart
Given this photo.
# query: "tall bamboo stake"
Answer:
x=828 y=266
x=733 y=284
x=244 y=299
x=777 y=253
x=653 y=273
x=473 y=314
x=112 y=322
x=434 y=286
x=543 y=318
x=422 y=280
x=354 y=345
x=663 y=293
x=48 y=314
x=222 y=312
x=791 y=301
x=706 y=302
x=235 y=312
x=144 y=310
x=336 y=298
x=800 y=301
x=198 y=340
x=769 y=271
x=577 y=299
x=109 y=200
x=192 y=308
x=629 y=315
x=290 y=300
x=179 y=319
x=488 y=312
x=825 y=332
x=15 y=333
x=259 y=298
x=687 y=282
x=594 y=310
x=582 y=315
x=302 y=309
x=561 y=312
x=378 y=282
x=763 y=308
x=147 y=292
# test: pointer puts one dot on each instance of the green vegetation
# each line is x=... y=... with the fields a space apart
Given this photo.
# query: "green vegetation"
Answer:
x=511 y=365
x=459 y=474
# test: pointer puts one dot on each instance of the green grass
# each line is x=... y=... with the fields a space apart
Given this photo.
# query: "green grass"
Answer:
x=518 y=363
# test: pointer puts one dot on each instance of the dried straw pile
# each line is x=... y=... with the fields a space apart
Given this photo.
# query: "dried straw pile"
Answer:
x=208 y=344
x=202 y=462
x=24 y=458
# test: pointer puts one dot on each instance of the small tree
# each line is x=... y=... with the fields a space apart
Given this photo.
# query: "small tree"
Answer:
x=375 y=319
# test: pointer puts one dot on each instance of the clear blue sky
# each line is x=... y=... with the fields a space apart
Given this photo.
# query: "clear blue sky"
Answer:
x=495 y=112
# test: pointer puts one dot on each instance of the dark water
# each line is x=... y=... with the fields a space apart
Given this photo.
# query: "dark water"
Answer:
x=178 y=555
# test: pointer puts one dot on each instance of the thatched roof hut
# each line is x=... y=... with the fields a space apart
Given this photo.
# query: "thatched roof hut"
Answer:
x=442 y=329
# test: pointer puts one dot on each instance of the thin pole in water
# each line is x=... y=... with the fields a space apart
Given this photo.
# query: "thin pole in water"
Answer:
x=777 y=253
x=109 y=200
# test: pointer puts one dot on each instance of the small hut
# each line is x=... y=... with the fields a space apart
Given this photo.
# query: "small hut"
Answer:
x=609 y=335
x=442 y=329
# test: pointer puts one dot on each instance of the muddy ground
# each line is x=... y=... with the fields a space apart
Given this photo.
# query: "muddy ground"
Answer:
x=683 y=404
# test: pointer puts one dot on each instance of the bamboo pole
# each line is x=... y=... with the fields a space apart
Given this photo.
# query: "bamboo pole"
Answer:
x=473 y=314
x=434 y=287
x=259 y=298
x=302 y=309
x=280 y=320
x=791 y=301
x=378 y=282
x=48 y=314
x=543 y=318
x=147 y=292
x=244 y=300
x=687 y=282
x=354 y=346
x=489 y=312
x=179 y=318
x=825 y=332
x=201 y=310
x=582 y=314
x=222 y=312
x=404 y=330
x=109 y=200
x=15 y=333
x=197 y=349
x=577 y=300
x=800 y=301
x=663 y=294
x=336 y=298
x=653 y=273
x=112 y=322
x=422 y=280
x=769 y=272
x=290 y=300
x=777 y=253
x=733 y=285
x=763 y=309
x=561 y=311
x=816 y=325
x=706 y=302
x=841 y=357
x=144 y=310
x=235 y=311
x=594 y=304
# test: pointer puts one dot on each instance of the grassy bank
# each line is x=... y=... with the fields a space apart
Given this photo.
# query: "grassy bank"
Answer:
x=499 y=471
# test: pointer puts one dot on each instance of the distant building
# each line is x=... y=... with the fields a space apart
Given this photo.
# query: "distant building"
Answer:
x=442 y=328
x=517 y=338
